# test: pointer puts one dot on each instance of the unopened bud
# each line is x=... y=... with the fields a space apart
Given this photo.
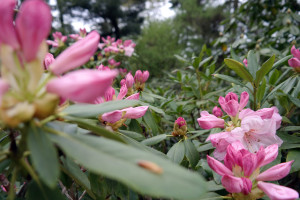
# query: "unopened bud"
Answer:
x=217 y=111
x=46 y=105
x=180 y=127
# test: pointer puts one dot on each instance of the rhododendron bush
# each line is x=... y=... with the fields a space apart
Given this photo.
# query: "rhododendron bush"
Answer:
x=76 y=122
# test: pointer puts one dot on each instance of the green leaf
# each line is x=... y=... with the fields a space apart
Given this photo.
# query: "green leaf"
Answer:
x=290 y=128
x=93 y=110
x=150 y=121
x=97 y=129
x=234 y=56
x=123 y=163
x=239 y=69
x=154 y=140
x=34 y=192
x=261 y=90
x=229 y=79
x=281 y=61
x=205 y=61
x=176 y=153
x=43 y=156
x=295 y=101
x=265 y=68
x=205 y=147
x=294 y=155
x=252 y=63
x=274 y=77
x=191 y=153
x=155 y=109
x=197 y=133
x=132 y=134
x=73 y=170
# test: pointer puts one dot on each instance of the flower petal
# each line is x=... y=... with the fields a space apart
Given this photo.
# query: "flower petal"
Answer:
x=278 y=192
x=218 y=167
x=276 y=172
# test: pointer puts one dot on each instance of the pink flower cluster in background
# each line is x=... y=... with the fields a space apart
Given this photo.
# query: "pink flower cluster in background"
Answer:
x=109 y=45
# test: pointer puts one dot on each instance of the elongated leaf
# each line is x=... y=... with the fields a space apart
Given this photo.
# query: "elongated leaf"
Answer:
x=97 y=129
x=205 y=61
x=252 y=63
x=134 y=135
x=229 y=79
x=35 y=192
x=204 y=147
x=239 y=69
x=73 y=170
x=294 y=155
x=295 y=100
x=176 y=153
x=93 y=110
x=150 y=121
x=291 y=128
x=191 y=152
x=265 y=68
x=281 y=61
x=43 y=155
x=155 y=109
x=132 y=167
x=154 y=140
x=276 y=88
x=261 y=90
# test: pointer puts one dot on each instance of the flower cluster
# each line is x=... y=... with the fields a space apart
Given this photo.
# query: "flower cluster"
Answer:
x=242 y=177
x=138 y=80
x=252 y=128
x=295 y=61
x=59 y=40
x=25 y=90
x=110 y=46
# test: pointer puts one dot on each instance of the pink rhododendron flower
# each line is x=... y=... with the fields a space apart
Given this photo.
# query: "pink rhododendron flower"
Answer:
x=59 y=39
x=113 y=63
x=241 y=170
x=134 y=113
x=256 y=129
x=123 y=92
x=129 y=80
x=217 y=111
x=180 y=121
x=208 y=121
x=231 y=105
x=83 y=86
x=141 y=77
x=103 y=68
x=76 y=55
x=112 y=117
x=109 y=94
x=277 y=192
x=135 y=96
x=295 y=61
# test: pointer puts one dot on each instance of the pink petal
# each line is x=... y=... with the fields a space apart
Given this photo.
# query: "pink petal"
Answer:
x=8 y=33
x=208 y=121
x=247 y=186
x=294 y=62
x=271 y=153
x=135 y=96
x=218 y=167
x=134 y=113
x=112 y=117
x=277 y=192
x=276 y=172
x=244 y=100
x=83 y=86
x=33 y=25
x=77 y=54
x=123 y=92
x=232 y=184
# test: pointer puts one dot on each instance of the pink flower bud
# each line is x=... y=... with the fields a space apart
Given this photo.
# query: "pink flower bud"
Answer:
x=295 y=52
x=129 y=80
x=8 y=33
x=114 y=63
x=33 y=24
x=134 y=113
x=278 y=192
x=138 y=77
x=230 y=104
x=135 y=96
x=76 y=55
x=123 y=92
x=109 y=94
x=103 y=68
x=244 y=98
x=245 y=61
x=294 y=62
x=180 y=121
x=208 y=121
x=217 y=111
x=122 y=82
x=83 y=86
x=48 y=60
x=112 y=117
x=145 y=76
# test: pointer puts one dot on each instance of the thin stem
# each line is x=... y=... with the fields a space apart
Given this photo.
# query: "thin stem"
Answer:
x=254 y=98
x=11 y=193
x=30 y=170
